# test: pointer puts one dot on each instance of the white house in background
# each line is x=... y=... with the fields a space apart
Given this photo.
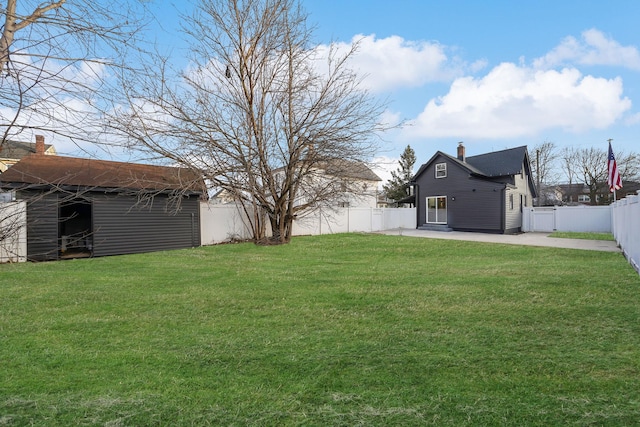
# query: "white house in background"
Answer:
x=358 y=185
x=221 y=197
x=12 y=151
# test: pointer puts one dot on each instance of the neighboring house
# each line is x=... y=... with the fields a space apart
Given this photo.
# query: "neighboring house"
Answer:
x=356 y=185
x=12 y=151
x=222 y=197
x=359 y=188
x=549 y=195
x=383 y=201
x=485 y=193
x=575 y=194
x=81 y=207
x=351 y=184
x=579 y=194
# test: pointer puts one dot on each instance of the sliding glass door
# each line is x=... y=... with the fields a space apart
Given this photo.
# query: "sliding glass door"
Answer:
x=437 y=210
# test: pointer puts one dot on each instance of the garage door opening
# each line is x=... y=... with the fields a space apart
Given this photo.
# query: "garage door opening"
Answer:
x=75 y=229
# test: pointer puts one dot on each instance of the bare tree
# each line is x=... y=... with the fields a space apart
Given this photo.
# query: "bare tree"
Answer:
x=569 y=165
x=265 y=115
x=544 y=162
x=544 y=169
x=589 y=165
x=55 y=60
x=628 y=165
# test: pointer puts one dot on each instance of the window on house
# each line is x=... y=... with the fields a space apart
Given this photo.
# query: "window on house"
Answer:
x=584 y=198
x=511 y=201
x=441 y=170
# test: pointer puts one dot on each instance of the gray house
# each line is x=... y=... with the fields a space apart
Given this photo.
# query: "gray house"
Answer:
x=82 y=207
x=485 y=193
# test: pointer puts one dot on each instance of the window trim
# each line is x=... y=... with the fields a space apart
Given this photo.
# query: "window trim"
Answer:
x=440 y=168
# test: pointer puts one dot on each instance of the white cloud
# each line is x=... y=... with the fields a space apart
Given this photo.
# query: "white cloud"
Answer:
x=594 y=48
x=514 y=101
x=383 y=166
x=394 y=62
x=390 y=118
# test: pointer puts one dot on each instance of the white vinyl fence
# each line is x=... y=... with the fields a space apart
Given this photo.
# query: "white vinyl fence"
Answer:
x=223 y=223
x=626 y=228
x=13 y=232
x=594 y=219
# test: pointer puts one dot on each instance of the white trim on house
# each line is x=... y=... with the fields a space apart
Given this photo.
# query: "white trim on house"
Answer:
x=440 y=217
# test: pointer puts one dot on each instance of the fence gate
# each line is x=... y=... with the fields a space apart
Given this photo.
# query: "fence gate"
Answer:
x=540 y=219
x=590 y=219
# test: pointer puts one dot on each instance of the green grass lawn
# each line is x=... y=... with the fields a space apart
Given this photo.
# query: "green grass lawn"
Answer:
x=586 y=236
x=333 y=330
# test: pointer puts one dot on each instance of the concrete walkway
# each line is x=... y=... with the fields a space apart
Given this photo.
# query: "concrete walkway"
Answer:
x=526 y=239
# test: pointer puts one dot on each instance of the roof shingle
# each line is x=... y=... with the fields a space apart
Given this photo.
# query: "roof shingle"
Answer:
x=72 y=171
x=499 y=163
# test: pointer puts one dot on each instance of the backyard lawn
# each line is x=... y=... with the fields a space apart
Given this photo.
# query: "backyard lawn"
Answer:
x=331 y=330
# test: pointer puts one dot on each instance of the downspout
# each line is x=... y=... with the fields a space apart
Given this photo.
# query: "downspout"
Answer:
x=503 y=219
x=416 y=194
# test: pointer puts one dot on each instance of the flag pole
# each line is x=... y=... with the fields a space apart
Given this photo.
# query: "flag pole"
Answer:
x=614 y=189
x=613 y=178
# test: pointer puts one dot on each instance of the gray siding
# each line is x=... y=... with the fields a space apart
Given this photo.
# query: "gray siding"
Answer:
x=122 y=227
x=42 y=226
x=472 y=203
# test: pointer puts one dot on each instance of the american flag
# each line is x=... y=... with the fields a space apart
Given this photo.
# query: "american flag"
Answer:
x=614 y=181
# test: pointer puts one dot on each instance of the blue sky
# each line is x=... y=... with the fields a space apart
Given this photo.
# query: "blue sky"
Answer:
x=501 y=73
x=494 y=74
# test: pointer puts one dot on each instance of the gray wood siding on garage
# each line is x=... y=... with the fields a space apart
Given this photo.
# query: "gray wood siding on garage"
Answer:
x=42 y=226
x=123 y=227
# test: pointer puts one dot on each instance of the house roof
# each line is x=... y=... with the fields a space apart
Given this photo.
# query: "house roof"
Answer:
x=349 y=169
x=490 y=165
x=18 y=149
x=37 y=169
x=500 y=163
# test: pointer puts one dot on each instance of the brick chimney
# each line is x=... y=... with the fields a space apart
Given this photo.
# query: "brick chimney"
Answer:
x=461 y=156
x=39 y=144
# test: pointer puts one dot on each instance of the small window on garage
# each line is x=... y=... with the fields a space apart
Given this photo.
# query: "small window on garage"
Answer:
x=441 y=170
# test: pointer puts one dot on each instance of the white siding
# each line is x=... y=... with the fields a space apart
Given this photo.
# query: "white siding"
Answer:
x=13 y=226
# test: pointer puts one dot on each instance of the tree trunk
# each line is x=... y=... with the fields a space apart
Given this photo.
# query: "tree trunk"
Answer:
x=281 y=227
x=11 y=25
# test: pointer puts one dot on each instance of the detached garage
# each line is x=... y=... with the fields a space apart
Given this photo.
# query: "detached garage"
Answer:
x=82 y=207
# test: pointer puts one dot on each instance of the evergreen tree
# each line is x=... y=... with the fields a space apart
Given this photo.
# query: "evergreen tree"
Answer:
x=396 y=188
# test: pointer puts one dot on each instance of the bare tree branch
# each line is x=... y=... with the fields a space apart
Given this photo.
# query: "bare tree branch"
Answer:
x=254 y=113
x=56 y=58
